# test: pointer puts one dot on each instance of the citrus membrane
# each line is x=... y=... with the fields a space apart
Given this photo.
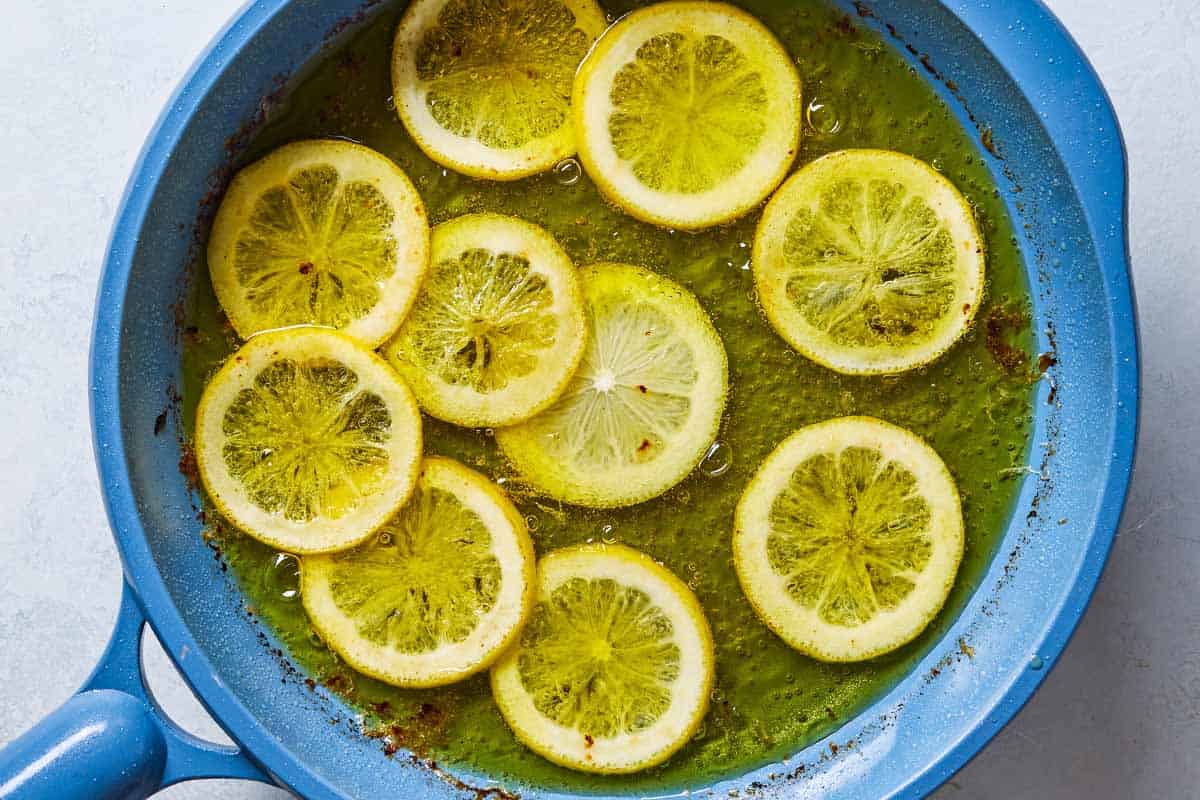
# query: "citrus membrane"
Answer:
x=848 y=538
x=612 y=674
x=869 y=262
x=437 y=593
x=307 y=440
x=498 y=327
x=322 y=232
x=484 y=86
x=644 y=405
x=687 y=113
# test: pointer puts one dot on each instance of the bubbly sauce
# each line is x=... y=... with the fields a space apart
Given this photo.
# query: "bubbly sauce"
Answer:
x=973 y=405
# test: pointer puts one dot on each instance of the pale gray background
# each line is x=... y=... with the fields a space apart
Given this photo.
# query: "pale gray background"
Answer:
x=82 y=82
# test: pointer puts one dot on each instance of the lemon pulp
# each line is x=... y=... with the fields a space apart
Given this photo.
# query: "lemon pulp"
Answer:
x=848 y=538
x=485 y=87
x=687 y=113
x=307 y=440
x=612 y=674
x=869 y=261
x=437 y=593
x=321 y=232
x=498 y=328
x=644 y=405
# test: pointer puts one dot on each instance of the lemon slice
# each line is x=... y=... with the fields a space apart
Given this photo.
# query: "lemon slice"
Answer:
x=498 y=327
x=612 y=674
x=319 y=232
x=484 y=86
x=437 y=593
x=307 y=440
x=848 y=538
x=645 y=404
x=869 y=262
x=688 y=114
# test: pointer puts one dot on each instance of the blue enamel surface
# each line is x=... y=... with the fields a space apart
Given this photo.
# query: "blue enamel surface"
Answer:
x=1062 y=174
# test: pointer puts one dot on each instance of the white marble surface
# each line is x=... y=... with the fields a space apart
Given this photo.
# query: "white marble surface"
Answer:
x=82 y=82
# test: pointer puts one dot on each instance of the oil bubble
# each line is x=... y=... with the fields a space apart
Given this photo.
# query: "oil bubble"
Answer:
x=821 y=117
x=391 y=103
x=568 y=172
x=283 y=576
x=385 y=539
x=717 y=460
x=532 y=523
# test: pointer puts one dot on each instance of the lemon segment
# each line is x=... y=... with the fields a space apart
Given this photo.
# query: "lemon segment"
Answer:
x=848 y=539
x=307 y=441
x=484 y=87
x=869 y=262
x=437 y=593
x=644 y=405
x=687 y=113
x=498 y=328
x=612 y=674
x=323 y=232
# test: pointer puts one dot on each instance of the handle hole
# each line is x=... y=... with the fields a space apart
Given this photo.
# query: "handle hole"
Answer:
x=173 y=696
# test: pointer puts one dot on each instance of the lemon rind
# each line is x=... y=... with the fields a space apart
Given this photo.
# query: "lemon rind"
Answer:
x=322 y=534
x=354 y=162
x=497 y=629
x=736 y=195
x=616 y=487
x=527 y=395
x=628 y=753
x=800 y=626
x=462 y=153
x=770 y=276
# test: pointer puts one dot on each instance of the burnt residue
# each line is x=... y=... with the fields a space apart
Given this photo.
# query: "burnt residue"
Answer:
x=337 y=681
x=417 y=733
x=1001 y=327
x=357 y=18
x=188 y=466
x=480 y=793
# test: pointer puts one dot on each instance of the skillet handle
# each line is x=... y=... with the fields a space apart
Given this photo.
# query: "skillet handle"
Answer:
x=112 y=741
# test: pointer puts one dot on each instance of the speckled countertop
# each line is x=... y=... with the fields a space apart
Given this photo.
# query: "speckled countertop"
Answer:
x=80 y=86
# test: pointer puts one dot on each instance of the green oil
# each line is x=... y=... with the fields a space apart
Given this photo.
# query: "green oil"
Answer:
x=973 y=405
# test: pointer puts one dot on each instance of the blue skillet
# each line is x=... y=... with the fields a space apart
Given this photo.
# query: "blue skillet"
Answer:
x=1061 y=166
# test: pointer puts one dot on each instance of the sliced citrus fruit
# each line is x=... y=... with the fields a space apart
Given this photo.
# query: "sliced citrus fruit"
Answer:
x=688 y=114
x=869 y=262
x=307 y=440
x=644 y=405
x=848 y=538
x=437 y=593
x=484 y=86
x=612 y=674
x=498 y=327
x=321 y=232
